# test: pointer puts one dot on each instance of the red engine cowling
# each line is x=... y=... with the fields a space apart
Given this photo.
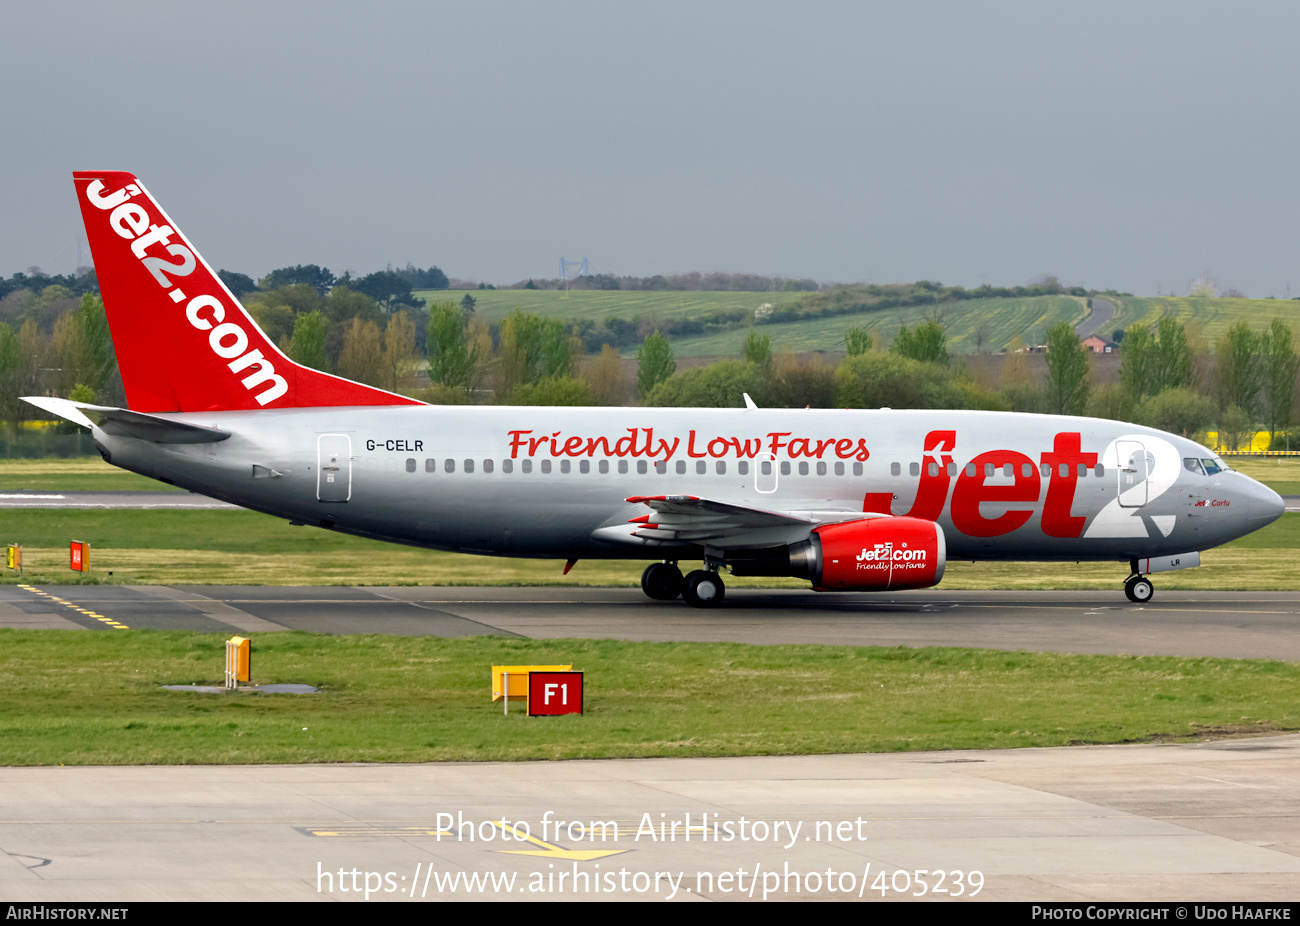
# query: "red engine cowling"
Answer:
x=874 y=554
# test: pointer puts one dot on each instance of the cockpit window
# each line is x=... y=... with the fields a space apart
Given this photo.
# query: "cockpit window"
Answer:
x=1191 y=464
x=1214 y=466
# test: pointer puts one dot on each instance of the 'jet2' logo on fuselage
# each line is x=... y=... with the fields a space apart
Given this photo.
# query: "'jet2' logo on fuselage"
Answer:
x=1025 y=486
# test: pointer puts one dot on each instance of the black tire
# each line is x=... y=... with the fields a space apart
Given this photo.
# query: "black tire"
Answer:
x=661 y=581
x=703 y=589
x=1139 y=589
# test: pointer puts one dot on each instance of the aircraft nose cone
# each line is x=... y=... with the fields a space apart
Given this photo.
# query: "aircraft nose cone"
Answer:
x=1265 y=504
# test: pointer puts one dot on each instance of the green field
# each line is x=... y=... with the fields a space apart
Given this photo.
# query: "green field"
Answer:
x=1002 y=320
x=495 y=304
x=74 y=474
x=95 y=699
x=1210 y=318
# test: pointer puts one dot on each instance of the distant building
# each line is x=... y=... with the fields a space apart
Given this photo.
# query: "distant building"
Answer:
x=1099 y=346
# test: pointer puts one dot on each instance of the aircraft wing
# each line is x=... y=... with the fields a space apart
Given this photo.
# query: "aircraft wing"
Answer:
x=692 y=519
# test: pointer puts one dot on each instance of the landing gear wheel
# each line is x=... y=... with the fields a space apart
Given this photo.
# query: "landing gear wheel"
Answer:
x=662 y=581
x=1139 y=589
x=703 y=589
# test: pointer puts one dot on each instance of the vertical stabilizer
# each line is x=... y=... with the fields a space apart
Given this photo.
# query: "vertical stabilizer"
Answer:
x=183 y=341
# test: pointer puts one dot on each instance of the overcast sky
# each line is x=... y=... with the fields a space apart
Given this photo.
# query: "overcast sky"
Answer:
x=1128 y=145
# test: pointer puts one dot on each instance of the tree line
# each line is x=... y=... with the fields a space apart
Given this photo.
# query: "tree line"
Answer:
x=1170 y=377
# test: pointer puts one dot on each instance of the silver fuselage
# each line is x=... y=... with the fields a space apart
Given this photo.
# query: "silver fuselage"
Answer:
x=554 y=482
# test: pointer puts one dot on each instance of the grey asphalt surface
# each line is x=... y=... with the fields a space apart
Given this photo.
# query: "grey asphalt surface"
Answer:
x=1201 y=822
x=1227 y=624
x=1103 y=310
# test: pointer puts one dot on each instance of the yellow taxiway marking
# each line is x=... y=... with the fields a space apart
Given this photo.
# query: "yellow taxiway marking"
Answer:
x=68 y=604
x=550 y=850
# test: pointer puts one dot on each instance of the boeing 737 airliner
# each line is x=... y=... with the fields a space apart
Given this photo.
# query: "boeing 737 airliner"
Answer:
x=849 y=500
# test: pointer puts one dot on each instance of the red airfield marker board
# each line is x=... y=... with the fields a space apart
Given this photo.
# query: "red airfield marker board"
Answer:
x=551 y=693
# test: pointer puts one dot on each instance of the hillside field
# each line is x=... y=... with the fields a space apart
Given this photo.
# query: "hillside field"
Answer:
x=1003 y=320
x=1210 y=318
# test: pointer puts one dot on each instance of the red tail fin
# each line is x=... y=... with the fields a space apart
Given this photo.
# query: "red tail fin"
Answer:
x=183 y=342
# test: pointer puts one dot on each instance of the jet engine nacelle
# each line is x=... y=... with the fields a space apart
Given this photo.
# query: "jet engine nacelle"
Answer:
x=871 y=555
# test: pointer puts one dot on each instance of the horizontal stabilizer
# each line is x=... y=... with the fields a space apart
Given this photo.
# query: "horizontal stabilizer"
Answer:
x=121 y=422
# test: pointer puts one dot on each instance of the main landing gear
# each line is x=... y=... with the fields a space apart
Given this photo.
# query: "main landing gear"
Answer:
x=703 y=588
x=662 y=581
x=1139 y=589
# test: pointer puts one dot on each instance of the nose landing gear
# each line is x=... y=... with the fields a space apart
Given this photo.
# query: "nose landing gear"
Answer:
x=1139 y=589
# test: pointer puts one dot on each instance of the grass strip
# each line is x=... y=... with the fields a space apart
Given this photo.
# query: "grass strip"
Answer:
x=94 y=699
x=74 y=474
x=222 y=547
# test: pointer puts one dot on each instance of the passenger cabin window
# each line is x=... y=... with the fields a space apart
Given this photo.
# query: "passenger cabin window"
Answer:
x=449 y=465
x=469 y=466
x=839 y=469
x=661 y=466
x=895 y=469
x=604 y=466
x=803 y=469
x=507 y=466
x=821 y=469
x=743 y=467
x=430 y=466
x=487 y=466
x=564 y=466
x=857 y=469
x=785 y=468
x=914 y=469
x=721 y=467
x=1099 y=470
x=546 y=466
x=641 y=467
x=701 y=467
x=584 y=466
x=681 y=467
x=410 y=464
x=527 y=466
